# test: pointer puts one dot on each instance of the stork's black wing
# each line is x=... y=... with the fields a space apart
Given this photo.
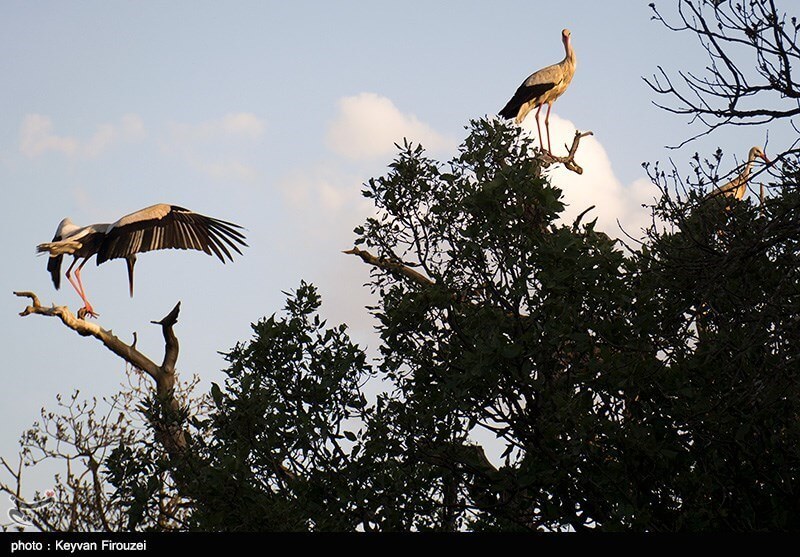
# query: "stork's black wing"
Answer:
x=170 y=227
x=524 y=94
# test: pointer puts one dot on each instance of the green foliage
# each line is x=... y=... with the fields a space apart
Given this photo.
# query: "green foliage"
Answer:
x=508 y=336
x=723 y=288
x=283 y=432
x=649 y=389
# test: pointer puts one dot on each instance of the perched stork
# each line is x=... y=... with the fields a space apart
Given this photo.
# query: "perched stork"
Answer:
x=161 y=226
x=737 y=187
x=542 y=87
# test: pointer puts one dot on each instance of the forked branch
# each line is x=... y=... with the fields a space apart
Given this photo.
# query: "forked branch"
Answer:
x=568 y=161
x=163 y=375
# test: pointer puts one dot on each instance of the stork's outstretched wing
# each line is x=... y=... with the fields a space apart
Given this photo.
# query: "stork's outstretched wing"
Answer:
x=166 y=226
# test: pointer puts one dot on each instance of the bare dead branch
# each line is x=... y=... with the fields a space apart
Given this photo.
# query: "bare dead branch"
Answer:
x=568 y=161
x=391 y=266
x=81 y=435
x=170 y=340
x=763 y=89
x=87 y=328
x=173 y=439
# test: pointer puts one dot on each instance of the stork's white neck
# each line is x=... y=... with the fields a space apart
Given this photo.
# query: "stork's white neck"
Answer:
x=569 y=53
x=751 y=159
x=66 y=227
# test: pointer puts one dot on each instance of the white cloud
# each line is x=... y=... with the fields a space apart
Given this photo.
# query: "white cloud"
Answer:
x=368 y=125
x=321 y=206
x=244 y=124
x=324 y=192
x=236 y=124
x=217 y=148
x=229 y=169
x=326 y=196
x=37 y=137
x=597 y=185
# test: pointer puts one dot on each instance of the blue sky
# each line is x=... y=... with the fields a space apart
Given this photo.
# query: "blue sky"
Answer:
x=272 y=115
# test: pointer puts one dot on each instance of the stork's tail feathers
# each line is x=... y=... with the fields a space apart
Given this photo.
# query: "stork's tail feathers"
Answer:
x=58 y=248
x=510 y=111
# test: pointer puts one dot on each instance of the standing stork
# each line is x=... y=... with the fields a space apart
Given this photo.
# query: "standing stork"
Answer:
x=161 y=226
x=543 y=87
x=737 y=187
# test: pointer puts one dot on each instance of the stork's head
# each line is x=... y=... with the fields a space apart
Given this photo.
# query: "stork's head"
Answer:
x=565 y=35
x=757 y=152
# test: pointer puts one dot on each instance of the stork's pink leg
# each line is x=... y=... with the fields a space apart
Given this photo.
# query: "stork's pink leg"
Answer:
x=88 y=306
x=72 y=282
x=79 y=287
x=538 y=128
x=547 y=127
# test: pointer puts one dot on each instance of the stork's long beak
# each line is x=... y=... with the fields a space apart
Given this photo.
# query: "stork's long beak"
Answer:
x=766 y=159
x=131 y=261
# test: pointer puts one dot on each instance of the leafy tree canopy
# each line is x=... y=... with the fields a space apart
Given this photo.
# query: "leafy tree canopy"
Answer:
x=650 y=386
